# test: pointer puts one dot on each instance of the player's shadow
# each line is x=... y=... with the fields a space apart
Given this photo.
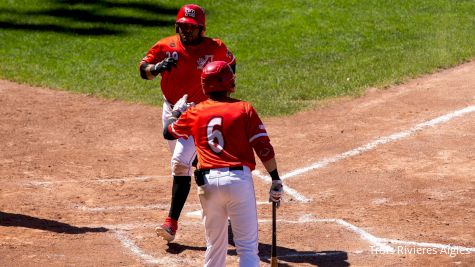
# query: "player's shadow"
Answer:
x=332 y=258
x=318 y=258
x=20 y=220
x=175 y=248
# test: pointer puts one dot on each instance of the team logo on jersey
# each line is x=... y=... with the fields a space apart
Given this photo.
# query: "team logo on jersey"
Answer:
x=202 y=61
x=190 y=12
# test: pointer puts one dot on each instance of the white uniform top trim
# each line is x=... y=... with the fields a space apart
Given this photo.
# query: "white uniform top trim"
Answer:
x=257 y=136
x=180 y=135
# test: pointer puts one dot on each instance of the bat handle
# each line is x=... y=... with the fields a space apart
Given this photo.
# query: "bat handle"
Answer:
x=273 y=262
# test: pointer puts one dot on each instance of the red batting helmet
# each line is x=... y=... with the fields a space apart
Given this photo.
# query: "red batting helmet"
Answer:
x=217 y=76
x=191 y=14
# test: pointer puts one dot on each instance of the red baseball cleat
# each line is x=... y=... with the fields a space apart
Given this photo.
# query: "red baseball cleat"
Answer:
x=167 y=230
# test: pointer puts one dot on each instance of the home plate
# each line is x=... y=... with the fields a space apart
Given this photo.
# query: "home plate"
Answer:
x=195 y=214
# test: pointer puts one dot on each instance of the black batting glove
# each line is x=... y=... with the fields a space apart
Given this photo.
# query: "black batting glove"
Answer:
x=164 y=65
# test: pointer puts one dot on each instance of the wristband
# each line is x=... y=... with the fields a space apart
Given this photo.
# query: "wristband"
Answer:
x=274 y=175
x=154 y=70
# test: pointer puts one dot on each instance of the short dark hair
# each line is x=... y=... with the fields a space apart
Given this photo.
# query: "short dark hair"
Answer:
x=218 y=94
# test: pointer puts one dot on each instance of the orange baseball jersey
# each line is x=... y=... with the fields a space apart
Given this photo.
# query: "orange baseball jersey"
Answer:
x=185 y=77
x=224 y=132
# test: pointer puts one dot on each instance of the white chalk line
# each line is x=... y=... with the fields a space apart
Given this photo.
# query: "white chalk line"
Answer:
x=380 y=141
x=145 y=207
x=362 y=233
x=317 y=165
x=107 y=180
x=130 y=207
x=288 y=190
x=382 y=244
x=134 y=249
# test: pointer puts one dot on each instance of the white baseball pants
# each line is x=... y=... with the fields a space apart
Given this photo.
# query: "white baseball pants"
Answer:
x=230 y=193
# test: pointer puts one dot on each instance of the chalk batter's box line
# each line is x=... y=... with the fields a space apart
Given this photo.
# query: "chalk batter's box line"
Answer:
x=143 y=207
x=129 y=244
x=381 y=244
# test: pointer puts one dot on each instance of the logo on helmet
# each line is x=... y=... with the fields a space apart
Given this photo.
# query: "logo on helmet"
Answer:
x=190 y=12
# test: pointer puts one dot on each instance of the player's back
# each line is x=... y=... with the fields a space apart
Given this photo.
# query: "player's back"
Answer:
x=222 y=132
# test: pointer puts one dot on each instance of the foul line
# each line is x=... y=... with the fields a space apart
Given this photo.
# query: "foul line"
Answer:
x=362 y=233
x=380 y=141
x=288 y=190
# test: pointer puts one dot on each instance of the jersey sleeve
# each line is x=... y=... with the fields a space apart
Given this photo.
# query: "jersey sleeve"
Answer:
x=154 y=55
x=256 y=129
x=258 y=137
x=223 y=53
x=183 y=126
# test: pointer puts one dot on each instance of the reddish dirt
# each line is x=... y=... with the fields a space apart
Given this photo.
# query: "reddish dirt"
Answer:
x=85 y=180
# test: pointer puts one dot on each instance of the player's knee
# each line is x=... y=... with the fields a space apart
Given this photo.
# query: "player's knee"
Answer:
x=180 y=169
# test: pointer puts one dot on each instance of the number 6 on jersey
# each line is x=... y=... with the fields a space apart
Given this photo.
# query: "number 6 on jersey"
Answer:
x=215 y=136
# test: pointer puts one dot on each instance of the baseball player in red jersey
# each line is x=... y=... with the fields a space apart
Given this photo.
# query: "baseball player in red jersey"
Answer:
x=179 y=59
x=226 y=133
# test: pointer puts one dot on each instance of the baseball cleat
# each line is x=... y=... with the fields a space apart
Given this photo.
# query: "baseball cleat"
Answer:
x=167 y=230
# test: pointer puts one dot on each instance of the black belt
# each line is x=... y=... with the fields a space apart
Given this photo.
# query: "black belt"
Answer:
x=235 y=168
x=200 y=174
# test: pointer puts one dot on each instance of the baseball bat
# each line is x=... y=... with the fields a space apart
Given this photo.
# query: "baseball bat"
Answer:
x=273 y=256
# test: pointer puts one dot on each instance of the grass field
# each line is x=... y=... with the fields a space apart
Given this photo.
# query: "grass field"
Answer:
x=293 y=52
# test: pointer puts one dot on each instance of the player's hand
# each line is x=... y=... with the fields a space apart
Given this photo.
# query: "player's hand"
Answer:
x=164 y=65
x=276 y=191
x=181 y=105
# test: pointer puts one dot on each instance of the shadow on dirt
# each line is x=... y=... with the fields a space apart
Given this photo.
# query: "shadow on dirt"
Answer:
x=285 y=255
x=175 y=248
x=20 y=220
x=317 y=258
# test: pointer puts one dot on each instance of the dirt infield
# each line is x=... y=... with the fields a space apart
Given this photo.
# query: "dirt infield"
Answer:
x=387 y=179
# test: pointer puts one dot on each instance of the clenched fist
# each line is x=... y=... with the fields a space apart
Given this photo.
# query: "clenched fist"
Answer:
x=164 y=65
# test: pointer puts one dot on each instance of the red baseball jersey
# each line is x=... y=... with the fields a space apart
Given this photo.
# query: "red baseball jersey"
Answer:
x=224 y=132
x=185 y=78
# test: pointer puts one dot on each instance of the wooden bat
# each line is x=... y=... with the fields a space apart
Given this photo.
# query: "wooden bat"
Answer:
x=273 y=256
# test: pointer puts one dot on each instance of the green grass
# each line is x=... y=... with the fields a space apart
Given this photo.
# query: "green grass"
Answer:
x=290 y=54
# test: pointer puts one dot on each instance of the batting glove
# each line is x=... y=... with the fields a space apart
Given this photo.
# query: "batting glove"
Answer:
x=181 y=105
x=276 y=191
x=164 y=65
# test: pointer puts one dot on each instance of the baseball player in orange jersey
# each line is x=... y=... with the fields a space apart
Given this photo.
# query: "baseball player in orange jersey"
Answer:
x=226 y=133
x=179 y=60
